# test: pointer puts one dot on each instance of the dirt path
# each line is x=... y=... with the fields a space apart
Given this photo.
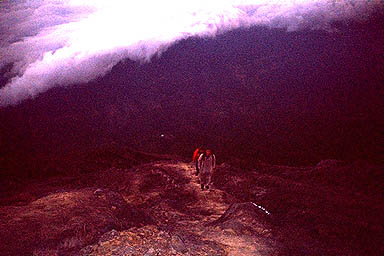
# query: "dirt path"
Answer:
x=184 y=219
x=238 y=234
x=212 y=201
x=158 y=208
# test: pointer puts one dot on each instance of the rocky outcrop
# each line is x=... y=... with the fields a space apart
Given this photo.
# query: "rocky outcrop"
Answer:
x=158 y=208
x=187 y=220
x=151 y=241
x=61 y=222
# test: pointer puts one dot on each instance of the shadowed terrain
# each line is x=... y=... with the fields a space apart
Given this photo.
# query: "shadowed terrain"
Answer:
x=133 y=203
x=103 y=167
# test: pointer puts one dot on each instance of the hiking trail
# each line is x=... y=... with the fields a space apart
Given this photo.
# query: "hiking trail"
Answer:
x=186 y=219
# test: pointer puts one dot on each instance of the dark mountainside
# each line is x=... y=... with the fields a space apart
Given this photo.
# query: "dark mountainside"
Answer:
x=104 y=168
x=290 y=98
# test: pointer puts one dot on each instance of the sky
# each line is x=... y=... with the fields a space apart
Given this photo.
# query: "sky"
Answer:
x=49 y=43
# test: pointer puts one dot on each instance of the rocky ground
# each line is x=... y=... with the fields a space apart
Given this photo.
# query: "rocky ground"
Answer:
x=156 y=207
x=184 y=219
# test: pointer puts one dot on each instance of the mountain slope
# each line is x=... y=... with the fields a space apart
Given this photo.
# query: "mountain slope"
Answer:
x=155 y=207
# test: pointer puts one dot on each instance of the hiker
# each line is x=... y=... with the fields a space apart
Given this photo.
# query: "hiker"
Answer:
x=196 y=155
x=206 y=163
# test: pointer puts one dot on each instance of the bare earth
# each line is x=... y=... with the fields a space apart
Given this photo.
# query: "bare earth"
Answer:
x=158 y=208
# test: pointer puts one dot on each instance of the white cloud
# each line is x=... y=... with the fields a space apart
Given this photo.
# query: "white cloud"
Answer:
x=60 y=42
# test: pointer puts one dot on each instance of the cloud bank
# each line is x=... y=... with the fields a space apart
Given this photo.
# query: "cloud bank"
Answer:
x=61 y=42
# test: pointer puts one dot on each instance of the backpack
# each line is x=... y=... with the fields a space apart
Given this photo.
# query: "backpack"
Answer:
x=196 y=154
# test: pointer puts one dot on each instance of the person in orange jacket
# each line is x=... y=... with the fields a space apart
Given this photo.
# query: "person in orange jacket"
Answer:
x=196 y=155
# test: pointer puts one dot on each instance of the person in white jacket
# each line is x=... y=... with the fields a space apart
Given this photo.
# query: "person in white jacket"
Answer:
x=207 y=163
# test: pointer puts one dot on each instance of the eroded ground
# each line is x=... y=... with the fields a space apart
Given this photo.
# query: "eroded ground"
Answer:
x=157 y=208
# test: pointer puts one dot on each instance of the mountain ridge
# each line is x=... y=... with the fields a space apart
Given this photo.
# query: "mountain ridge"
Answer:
x=155 y=206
